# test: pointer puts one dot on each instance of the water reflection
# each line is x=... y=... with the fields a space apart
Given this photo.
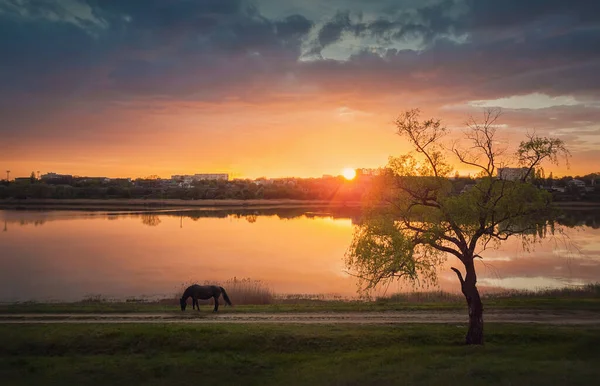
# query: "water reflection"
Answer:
x=153 y=217
x=150 y=219
x=66 y=255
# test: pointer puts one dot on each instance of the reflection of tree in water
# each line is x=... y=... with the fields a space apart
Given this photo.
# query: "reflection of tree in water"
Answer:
x=576 y=218
x=248 y=216
x=150 y=220
x=38 y=222
x=252 y=215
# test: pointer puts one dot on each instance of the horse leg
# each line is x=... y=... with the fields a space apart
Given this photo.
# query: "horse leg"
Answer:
x=216 y=303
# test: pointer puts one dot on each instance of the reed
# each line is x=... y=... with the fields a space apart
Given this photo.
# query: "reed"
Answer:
x=243 y=291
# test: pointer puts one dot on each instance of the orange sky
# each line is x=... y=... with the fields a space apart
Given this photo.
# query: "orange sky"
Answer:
x=272 y=142
x=289 y=88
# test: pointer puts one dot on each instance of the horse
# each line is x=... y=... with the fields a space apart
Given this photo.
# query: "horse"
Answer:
x=196 y=292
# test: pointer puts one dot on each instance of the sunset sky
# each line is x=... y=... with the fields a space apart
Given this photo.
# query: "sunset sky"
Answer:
x=284 y=87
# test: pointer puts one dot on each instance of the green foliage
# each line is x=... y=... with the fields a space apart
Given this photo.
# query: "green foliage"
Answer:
x=415 y=217
x=380 y=247
x=536 y=149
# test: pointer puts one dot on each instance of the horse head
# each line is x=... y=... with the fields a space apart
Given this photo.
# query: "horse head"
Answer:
x=182 y=303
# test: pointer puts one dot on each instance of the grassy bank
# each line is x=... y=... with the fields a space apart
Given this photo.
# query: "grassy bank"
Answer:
x=296 y=355
x=251 y=296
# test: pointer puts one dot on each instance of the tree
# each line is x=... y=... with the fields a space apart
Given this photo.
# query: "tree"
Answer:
x=416 y=220
x=32 y=178
x=535 y=150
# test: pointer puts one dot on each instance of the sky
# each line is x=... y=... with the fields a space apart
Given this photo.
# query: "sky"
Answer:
x=284 y=87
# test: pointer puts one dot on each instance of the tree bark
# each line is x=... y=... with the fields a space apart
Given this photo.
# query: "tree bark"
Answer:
x=475 y=333
x=469 y=289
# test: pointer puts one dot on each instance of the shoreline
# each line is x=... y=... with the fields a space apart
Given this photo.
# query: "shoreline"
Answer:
x=126 y=204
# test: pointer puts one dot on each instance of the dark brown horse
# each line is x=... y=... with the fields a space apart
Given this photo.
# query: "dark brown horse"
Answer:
x=204 y=292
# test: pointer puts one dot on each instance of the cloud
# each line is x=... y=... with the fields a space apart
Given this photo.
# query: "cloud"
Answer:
x=333 y=29
x=97 y=57
x=216 y=49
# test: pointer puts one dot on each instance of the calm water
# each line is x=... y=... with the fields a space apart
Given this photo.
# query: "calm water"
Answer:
x=67 y=255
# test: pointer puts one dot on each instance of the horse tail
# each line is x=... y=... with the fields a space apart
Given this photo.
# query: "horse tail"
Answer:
x=225 y=296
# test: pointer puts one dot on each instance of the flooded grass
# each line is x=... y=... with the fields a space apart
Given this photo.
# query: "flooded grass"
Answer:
x=588 y=291
x=218 y=354
x=572 y=292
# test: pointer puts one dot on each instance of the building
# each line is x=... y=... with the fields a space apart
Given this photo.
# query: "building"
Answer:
x=54 y=176
x=368 y=172
x=200 y=177
x=211 y=176
x=511 y=174
x=578 y=183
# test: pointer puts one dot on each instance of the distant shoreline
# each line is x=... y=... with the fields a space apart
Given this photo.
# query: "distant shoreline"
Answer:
x=577 y=205
x=138 y=203
x=124 y=204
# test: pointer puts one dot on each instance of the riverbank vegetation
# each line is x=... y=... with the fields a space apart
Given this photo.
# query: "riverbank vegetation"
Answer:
x=251 y=296
x=336 y=189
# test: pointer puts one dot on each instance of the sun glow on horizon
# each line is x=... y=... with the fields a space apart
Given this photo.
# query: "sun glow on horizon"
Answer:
x=349 y=173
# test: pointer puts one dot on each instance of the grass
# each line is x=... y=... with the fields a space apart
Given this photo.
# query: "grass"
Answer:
x=254 y=296
x=585 y=291
x=248 y=291
x=93 y=354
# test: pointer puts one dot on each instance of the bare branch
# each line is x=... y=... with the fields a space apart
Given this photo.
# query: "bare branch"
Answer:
x=460 y=278
x=422 y=135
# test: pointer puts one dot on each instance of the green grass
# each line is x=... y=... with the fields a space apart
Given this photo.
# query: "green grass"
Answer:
x=537 y=303
x=255 y=354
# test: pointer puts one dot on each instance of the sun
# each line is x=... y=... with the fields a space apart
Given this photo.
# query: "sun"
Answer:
x=349 y=173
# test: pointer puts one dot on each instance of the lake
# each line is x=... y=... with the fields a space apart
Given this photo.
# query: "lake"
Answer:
x=71 y=255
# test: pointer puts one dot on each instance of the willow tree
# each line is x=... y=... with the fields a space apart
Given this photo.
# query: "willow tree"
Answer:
x=416 y=219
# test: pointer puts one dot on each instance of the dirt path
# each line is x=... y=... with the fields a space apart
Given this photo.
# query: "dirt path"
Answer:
x=545 y=317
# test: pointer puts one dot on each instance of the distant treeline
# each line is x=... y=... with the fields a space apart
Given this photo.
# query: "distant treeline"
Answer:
x=327 y=188
x=301 y=189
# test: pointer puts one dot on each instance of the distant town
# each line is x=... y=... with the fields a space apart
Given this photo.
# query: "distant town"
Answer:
x=220 y=186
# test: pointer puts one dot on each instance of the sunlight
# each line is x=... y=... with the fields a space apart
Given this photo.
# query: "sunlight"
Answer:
x=349 y=173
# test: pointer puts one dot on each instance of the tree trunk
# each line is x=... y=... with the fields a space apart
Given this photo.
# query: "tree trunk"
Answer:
x=475 y=333
x=469 y=289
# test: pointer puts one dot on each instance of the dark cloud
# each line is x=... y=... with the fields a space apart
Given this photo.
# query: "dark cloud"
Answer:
x=333 y=29
x=54 y=53
x=516 y=13
x=161 y=47
x=294 y=26
x=480 y=19
x=30 y=49
x=471 y=50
